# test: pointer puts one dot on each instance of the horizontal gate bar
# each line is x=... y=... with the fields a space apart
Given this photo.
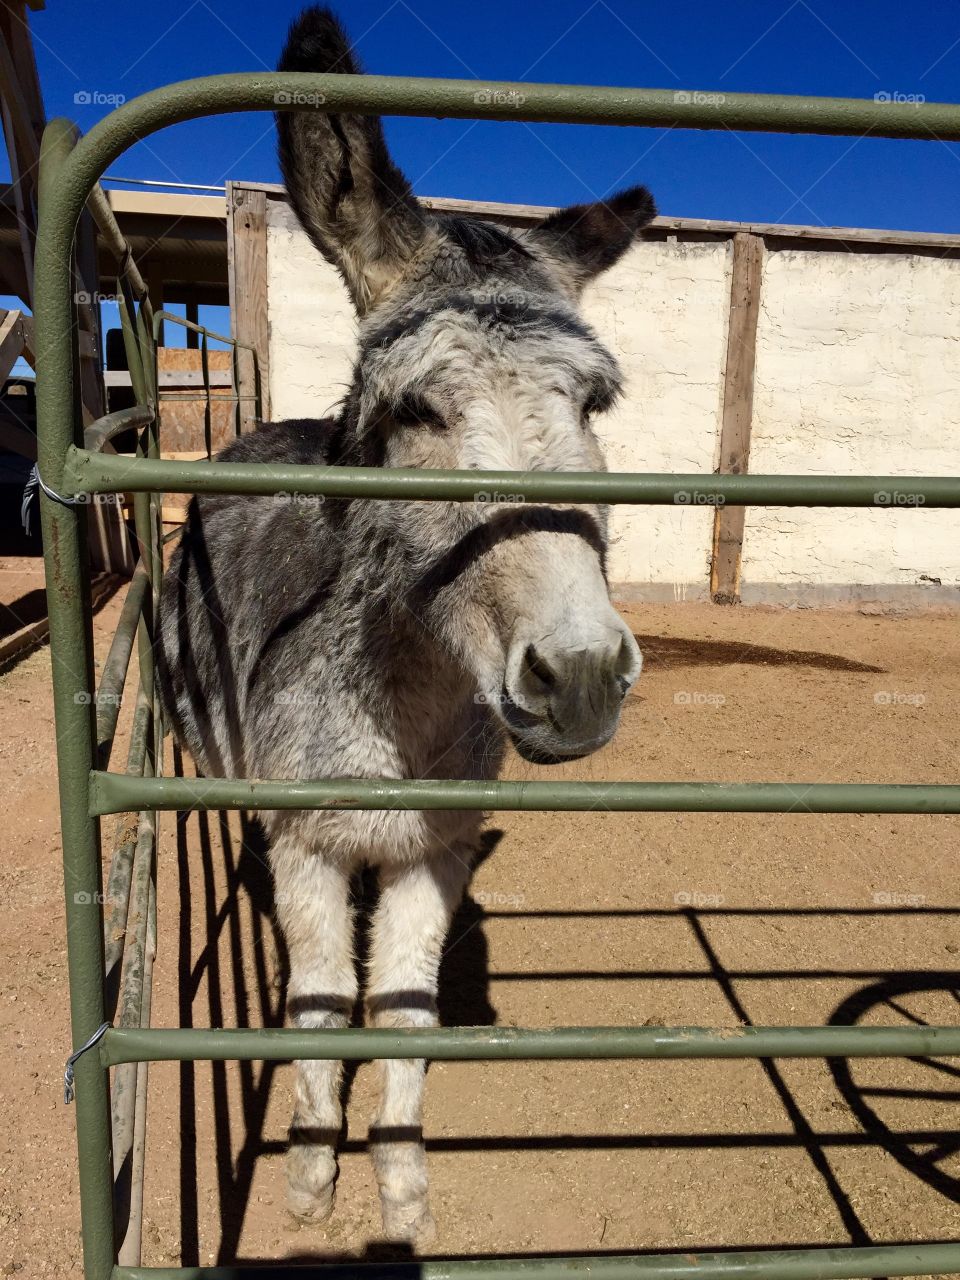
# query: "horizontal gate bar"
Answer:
x=476 y=1044
x=162 y=316
x=761 y=1264
x=681 y=108
x=109 y=473
x=118 y=793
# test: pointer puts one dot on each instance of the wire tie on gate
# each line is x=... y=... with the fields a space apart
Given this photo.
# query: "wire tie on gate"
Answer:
x=35 y=482
x=77 y=499
x=69 y=1092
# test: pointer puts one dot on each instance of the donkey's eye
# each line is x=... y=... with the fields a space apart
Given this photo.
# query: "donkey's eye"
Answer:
x=411 y=411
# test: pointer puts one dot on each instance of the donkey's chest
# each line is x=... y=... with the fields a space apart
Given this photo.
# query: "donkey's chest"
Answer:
x=365 y=745
x=392 y=837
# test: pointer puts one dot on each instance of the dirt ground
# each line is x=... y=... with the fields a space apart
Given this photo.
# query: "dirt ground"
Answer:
x=571 y=919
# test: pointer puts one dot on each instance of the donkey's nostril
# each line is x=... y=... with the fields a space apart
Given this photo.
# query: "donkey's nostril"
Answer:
x=628 y=662
x=624 y=667
x=539 y=668
x=565 y=686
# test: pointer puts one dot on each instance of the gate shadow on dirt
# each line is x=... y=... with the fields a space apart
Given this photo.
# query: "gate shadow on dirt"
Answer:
x=882 y=997
x=246 y=969
x=242 y=867
x=246 y=871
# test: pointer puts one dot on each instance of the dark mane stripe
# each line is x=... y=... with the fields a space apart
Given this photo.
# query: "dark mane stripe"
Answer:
x=483 y=242
x=490 y=311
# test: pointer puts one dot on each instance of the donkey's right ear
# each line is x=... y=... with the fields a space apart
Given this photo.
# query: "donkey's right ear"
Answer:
x=352 y=200
x=586 y=239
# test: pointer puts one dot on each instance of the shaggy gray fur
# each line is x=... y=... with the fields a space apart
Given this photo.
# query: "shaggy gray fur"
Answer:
x=304 y=638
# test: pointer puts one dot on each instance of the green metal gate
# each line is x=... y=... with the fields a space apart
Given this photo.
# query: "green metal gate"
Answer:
x=76 y=471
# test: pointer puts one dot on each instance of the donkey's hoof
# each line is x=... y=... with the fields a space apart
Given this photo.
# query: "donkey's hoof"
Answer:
x=311 y=1182
x=309 y=1207
x=410 y=1221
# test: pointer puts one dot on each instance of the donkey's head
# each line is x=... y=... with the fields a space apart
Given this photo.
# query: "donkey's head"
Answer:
x=473 y=355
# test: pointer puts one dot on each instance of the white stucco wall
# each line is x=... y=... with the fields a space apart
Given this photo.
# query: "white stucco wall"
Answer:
x=858 y=372
x=662 y=310
x=312 y=322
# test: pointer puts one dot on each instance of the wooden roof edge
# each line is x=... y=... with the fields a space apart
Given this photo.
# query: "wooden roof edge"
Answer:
x=530 y=213
x=175 y=204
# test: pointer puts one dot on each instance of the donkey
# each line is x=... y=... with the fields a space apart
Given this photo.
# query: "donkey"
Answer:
x=348 y=638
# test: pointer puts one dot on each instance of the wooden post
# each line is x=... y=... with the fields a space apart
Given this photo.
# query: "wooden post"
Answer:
x=21 y=107
x=247 y=268
x=728 y=522
x=109 y=541
x=193 y=315
x=22 y=115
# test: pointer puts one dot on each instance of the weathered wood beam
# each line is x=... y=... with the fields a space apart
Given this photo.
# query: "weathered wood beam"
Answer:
x=247 y=268
x=728 y=523
x=172 y=379
x=13 y=341
x=15 y=100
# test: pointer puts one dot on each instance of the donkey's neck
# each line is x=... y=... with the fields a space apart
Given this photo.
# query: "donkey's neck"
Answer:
x=409 y=668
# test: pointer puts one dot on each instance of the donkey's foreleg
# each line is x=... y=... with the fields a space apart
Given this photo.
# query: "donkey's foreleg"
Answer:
x=313 y=903
x=411 y=922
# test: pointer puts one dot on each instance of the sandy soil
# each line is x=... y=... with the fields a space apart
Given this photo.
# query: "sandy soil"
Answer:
x=39 y=1205
x=572 y=918
x=22 y=597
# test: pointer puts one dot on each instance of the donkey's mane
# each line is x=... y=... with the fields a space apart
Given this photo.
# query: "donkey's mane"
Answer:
x=484 y=244
x=496 y=311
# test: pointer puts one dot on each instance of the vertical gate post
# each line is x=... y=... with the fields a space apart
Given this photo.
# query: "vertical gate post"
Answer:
x=71 y=652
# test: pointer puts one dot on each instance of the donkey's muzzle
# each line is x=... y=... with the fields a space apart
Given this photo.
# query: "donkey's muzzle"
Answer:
x=564 y=702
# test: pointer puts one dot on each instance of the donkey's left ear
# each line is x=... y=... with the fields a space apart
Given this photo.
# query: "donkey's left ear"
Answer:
x=586 y=239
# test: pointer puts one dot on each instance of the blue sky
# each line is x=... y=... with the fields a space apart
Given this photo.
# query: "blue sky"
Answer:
x=844 y=48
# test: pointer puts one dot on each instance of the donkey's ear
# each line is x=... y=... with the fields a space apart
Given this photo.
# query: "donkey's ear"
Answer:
x=586 y=239
x=353 y=201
